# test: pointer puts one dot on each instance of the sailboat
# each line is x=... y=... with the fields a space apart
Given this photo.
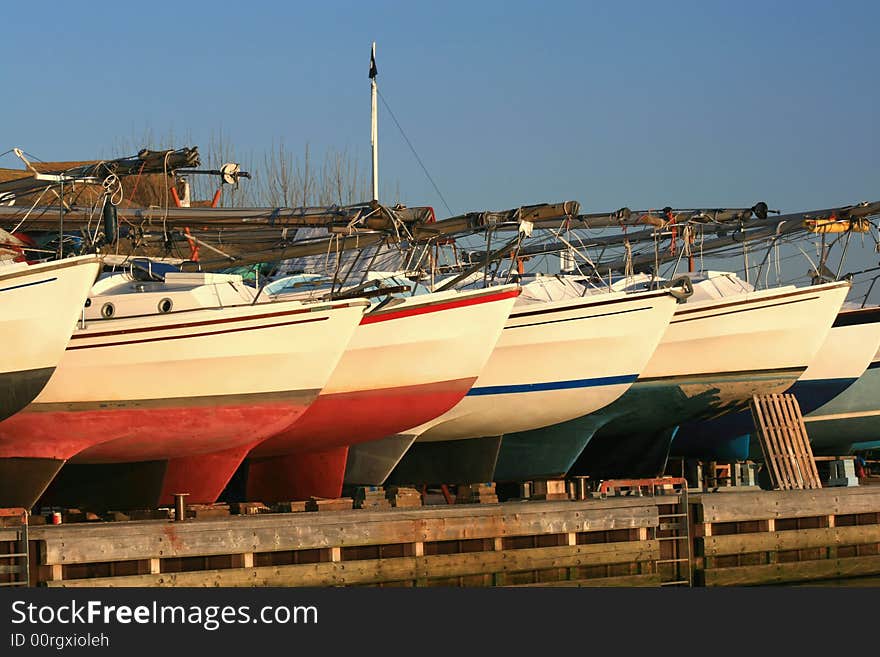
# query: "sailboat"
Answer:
x=725 y=343
x=836 y=419
x=841 y=358
x=412 y=358
x=167 y=384
x=408 y=362
x=40 y=304
x=850 y=421
x=555 y=360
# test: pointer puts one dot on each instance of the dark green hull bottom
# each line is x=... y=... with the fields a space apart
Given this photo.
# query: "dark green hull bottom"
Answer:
x=18 y=389
x=370 y=463
x=632 y=436
x=23 y=480
x=448 y=462
x=117 y=486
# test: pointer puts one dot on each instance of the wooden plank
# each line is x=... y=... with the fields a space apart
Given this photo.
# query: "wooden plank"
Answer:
x=8 y=534
x=762 y=505
x=801 y=448
x=775 y=443
x=649 y=579
x=787 y=443
x=761 y=428
x=795 y=571
x=808 y=447
x=293 y=532
x=799 y=539
x=439 y=513
x=444 y=513
x=785 y=448
x=374 y=571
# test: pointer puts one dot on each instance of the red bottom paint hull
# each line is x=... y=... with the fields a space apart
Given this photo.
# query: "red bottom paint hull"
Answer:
x=309 y=459
x=147 y=454
x=203 y=477
x=297 y=476
x=142 y=434
x=143 y=484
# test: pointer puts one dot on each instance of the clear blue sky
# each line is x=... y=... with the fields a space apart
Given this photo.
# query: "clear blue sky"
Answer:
x=638 y=104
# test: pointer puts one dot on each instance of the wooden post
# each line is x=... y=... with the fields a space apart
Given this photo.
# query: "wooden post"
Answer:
x=832 y=549
x=771 y=528
x=55 y=572
x=418 y=550
x=498 y=579
x=571 y=541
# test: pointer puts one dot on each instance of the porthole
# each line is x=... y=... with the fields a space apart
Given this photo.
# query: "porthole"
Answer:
x=107 y=310
x=165 y=305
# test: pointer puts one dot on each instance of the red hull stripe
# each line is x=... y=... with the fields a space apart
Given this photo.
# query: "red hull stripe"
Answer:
x=348 y=418
x=197 y=335
x=423 y=310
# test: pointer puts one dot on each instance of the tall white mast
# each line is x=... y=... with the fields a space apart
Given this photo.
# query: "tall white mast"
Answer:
x=374 y=126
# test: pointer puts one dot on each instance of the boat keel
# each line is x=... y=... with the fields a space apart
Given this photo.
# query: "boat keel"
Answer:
x=545 y=454
x=448 y=462
x=18 y=389
x=144 y=484
x=23 y=480
x=636 y=456
x=296 y=476
x=370 y=464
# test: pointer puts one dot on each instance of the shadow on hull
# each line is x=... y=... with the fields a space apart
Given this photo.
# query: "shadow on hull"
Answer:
x=23 y=480
x=18 y=389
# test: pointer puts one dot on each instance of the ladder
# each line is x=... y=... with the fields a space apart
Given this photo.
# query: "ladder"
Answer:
x=675 y=565
x=788 y=454
x=15 y=565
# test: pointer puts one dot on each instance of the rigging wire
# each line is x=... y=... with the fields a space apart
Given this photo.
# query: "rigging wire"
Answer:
x=418 y=159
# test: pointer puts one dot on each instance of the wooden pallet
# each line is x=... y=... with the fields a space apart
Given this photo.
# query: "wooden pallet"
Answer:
x=784 y=442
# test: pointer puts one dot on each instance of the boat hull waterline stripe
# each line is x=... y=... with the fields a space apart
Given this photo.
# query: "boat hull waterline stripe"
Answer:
x=16 y=287
x=554 y=385
x=197 y=335
x=574 y=319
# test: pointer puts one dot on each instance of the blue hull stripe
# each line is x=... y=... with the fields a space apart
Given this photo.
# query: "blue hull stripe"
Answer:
x=15 y=287
x=554 y=385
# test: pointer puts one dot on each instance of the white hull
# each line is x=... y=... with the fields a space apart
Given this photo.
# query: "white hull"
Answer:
x=766 y=331
x=406 y=364
x=556 y=361
x=421 y=348
x=171 y=385
x=845 y=354
x=40 y=306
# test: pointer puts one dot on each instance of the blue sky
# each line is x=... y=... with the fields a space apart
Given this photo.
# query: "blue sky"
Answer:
x=637 y=104
x=690 y=104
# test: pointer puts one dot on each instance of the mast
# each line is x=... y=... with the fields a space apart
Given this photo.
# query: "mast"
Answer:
x=374 y=126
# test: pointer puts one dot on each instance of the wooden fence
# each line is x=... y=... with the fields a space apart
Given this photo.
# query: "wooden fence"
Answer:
x=739 y=537
x=604 y=541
